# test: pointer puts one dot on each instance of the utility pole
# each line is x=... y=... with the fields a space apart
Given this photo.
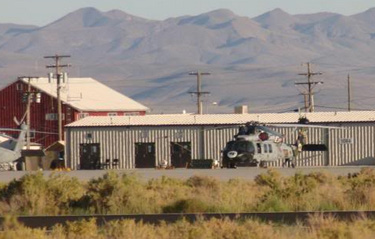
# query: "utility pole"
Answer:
x=57 y=66
x=199 y=91
x=349 y=94
x=309 y=95
x=28 y=99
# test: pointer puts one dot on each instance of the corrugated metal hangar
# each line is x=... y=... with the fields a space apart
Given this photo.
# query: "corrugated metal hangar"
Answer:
x=125 y=142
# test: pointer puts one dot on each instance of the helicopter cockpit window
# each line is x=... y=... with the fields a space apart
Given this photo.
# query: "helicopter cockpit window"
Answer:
x=259 y=148
x=240 y=146
x=229 y=145
x=265 y=148
x=242 y=130
x=250 y=130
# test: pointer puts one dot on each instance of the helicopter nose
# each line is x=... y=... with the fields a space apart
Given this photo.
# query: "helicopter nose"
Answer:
x=232 y=154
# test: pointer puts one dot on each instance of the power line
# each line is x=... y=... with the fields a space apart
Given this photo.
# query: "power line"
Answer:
x=341 y=108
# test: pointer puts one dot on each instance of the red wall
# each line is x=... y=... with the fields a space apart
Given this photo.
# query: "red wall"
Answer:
x=11 y=105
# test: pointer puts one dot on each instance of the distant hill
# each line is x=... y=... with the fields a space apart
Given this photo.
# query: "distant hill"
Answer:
x=252 y=61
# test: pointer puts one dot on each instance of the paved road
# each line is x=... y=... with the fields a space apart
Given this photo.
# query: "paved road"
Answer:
x=221 y=174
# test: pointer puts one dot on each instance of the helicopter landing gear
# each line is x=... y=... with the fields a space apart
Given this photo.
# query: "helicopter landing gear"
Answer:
x=288 y=163
x=262 y=164
x=229 y=165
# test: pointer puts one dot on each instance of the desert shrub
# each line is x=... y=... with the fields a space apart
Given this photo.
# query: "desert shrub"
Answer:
x=82 y=229
x=63 y=193
x=361 y=191
x=12 y=229
x=35 y=195
x=204 y=182
x=271 y=179
x=316 y=191
x=113 y=193
x=329 y=227
x=107 y=194
x=315 y=227
x=131 y=230
x=238 y=195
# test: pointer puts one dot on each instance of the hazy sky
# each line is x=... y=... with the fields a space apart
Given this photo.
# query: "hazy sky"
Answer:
x=41 y=12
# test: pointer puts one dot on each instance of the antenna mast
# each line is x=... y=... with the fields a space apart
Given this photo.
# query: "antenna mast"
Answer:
x=349 y=94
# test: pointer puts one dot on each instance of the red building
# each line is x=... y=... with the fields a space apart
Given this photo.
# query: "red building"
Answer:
x=80 y=97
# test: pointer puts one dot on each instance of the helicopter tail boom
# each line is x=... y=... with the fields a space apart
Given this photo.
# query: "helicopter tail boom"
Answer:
x=314 y=147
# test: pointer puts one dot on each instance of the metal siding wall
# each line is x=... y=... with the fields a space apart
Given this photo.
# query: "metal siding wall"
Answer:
x=118 y=142
x=215 y=141
x=361 y=148
x=304 y=159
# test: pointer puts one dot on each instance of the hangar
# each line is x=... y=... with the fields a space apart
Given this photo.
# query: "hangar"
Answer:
x=126 y=142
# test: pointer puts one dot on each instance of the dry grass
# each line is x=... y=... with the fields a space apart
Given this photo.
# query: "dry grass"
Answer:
x=317 y=227
x=121 y=194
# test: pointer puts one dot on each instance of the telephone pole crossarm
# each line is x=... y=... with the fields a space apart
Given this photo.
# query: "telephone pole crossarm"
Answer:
x=54 y=66
x=57 y=56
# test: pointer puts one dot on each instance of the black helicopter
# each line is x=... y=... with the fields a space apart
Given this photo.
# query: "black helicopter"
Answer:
x=256 y=144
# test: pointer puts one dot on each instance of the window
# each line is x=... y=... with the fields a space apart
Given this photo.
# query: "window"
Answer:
x=259 y=148
x=150 y=149
x=32 y=133
x=270 y=148
x=54 y=116
x=265 y=148
x=179 y=134
x=131 y=113
x=19 y=86
x=89 y=136
x=143 y=134
x=112 y=114
x=82 y=115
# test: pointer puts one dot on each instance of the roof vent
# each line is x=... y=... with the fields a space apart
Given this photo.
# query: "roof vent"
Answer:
x=242 y=109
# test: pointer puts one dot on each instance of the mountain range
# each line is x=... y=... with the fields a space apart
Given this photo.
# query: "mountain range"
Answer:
x=252 y=61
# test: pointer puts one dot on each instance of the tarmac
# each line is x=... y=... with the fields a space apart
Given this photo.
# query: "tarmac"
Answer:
x=246 y=173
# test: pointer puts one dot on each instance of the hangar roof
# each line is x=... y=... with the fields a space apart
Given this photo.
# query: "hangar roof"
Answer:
x=223 y=119
x=87 y=94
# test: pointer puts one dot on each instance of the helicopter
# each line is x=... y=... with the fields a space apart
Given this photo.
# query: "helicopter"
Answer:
x=11 y=148
x=255 y=144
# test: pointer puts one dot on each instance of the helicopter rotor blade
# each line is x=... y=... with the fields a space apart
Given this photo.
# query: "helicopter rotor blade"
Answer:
x=269 y=131
x=19 y=130
x=303 y=126
x=16 y=121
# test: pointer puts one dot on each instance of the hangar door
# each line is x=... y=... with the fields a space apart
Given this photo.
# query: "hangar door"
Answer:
x=89 y=156
x=145 y=155
x=180 y=154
